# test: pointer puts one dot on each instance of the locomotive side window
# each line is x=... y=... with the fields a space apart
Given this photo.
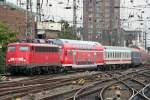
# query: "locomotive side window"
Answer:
x=46 y=49
x=11 y=49
x=24 y=48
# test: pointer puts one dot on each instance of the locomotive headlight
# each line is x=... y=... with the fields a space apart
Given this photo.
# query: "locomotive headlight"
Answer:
x=11 y=59
x=21 y=59
x=24 y=59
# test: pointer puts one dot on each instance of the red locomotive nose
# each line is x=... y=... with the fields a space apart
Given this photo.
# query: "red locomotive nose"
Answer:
x=17 y=54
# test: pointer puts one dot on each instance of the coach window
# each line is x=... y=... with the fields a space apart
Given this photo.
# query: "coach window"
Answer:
x=24 y=48
x=113 y=54
x=110 y=54
x=116 y=55
x=124 y=54
x=106 y=55
x=46 y=49
x=120 y=54
x=11 y=49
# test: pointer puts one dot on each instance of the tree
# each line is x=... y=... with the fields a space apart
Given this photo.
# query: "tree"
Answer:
x=6 y=36
x=66 y=31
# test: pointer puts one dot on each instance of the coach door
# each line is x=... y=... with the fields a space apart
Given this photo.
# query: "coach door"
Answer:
x=74 y=56
x=95 y=56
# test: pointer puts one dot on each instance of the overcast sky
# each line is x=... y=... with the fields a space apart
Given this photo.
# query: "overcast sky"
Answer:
x=141 y=12
x=57 y=11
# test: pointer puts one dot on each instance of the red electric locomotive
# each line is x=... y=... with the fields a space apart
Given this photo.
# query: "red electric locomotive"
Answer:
x=29 y=58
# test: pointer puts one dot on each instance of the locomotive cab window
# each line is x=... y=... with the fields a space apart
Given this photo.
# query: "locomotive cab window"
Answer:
x=11 y=49
x=24 y=48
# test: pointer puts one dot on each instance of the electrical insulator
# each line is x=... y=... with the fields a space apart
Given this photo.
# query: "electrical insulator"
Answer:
x=67 y=7
x=131 y=1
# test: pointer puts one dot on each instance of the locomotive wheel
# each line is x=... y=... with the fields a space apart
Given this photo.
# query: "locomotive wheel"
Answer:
x=30 y=72
x=38 y=71
x=13 y=72
x=99 y=68
x=63 y=70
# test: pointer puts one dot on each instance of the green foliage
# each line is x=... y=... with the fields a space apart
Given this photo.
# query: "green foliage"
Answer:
x=3 y=27
x=2 y=62
x=6 y=36
x=66 y=31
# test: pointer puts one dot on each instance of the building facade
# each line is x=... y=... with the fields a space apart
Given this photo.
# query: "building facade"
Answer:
x=101 y=21
x=48 y=30
x=15 y=18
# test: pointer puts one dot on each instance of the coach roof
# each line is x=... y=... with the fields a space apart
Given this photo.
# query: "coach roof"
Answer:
x=77 y=42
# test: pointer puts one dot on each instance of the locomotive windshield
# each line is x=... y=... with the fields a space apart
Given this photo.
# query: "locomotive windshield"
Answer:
x=24 y=48
x=11 y=49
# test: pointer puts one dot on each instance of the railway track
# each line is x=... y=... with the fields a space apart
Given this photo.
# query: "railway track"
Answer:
x=128 y=87
x=36 y=85
x=146 y=91
x=90 y=94
x=143 y=94
x=51 y=88
x=63 y=92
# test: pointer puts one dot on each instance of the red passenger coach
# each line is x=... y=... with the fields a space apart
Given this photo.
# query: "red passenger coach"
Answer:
x=144 y=55
x=31 y=58
x=78 y=54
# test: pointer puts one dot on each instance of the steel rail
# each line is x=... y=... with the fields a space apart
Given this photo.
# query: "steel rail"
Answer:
x=144 y=93
x=83 y=88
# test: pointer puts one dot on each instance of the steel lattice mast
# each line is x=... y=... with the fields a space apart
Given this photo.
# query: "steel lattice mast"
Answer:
x=74 y=18
x=29 y=21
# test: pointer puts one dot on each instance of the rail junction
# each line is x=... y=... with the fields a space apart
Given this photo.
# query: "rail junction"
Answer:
x=95 y=85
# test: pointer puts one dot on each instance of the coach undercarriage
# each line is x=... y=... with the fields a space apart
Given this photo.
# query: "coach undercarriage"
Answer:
x=51 y=69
